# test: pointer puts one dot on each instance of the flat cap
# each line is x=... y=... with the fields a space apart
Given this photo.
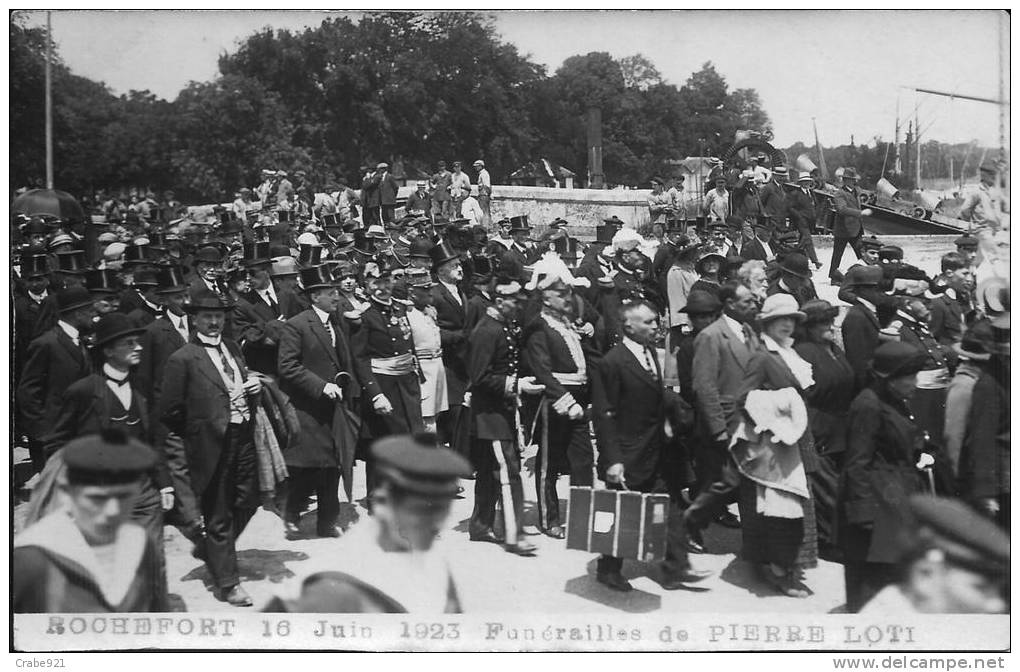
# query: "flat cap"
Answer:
x=963 y=536
x=109 y=457
x=966 y=241
x=412 y=465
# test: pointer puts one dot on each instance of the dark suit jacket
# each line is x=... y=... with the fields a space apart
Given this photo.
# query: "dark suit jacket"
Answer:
x=773 y=201
x=721 y=366
x=86 y=409
x=801 y=209
x=388 y=189
x=159 y=341
x=143 y=315
x=195 y=406
x=307 y=361
x=630 y=415
x=258 y=330
x=848 y=214
x=860 y=338
x=52 y=363
x=31 y=319
x=753 y=249
x=451 y=317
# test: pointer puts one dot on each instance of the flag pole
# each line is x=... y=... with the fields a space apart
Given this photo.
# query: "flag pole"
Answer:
x=49 y=108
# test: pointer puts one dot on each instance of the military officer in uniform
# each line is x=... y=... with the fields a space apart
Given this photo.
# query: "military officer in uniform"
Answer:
x=493 y=370
x=385 y=361
x=556 y=353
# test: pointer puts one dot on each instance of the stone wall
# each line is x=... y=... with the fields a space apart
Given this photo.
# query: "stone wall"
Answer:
x=584 y=209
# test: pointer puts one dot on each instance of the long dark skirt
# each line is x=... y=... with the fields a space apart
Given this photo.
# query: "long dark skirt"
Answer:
x=786 y=542
x=824 y=483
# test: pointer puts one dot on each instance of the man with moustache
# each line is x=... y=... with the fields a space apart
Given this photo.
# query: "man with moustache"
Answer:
x=164 y=335
x=450 y=303
x=206 y=408
x=262 y=311
x=313 y=354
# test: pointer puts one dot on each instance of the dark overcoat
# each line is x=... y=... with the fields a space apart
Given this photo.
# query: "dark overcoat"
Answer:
x=52 y=363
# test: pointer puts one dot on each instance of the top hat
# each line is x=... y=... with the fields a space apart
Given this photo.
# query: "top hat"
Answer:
x=676 y=225
x=112 y=326
x=316 y=277
x=331 y=221
x=34 y=265
x=310 y=255
x=362 y=243
x=762 y=222
x=157 y=240
x=481 y=269
x=255 y=254
x=285 y=216
x=566 y=247
x=519 y=223
x=442 y=253
x=230 y=224
x=101 y=281
x=137 y=254
x=73 y=298
x=171 y=280
x=604 y=232
x=72 y=261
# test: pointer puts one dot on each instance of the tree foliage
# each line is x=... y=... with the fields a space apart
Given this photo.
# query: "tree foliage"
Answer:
x=411 y=86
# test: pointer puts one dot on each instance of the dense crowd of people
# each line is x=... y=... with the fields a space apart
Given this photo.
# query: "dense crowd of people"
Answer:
x=194 y=371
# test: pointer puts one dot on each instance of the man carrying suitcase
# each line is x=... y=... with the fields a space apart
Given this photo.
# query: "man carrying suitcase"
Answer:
x=632 y=414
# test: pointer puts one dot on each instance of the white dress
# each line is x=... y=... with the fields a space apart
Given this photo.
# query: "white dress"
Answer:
x=425 y=332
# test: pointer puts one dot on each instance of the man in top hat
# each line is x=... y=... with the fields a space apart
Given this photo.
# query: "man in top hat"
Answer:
x=717 y=201
x=314 y=359
x=418 y=254
x=389 y=562
x=54 y=360
x=35 y=308
x=559 y=355
x=36 y=234
x=953 y=562
x=520 y=254
x=986 y=205
x=676 y=229
x=164 y=335
x=801 y=210
x=104 y=285
x=261 y=312
x=632 y=412
x=69 y=269
x=481 y=296
x=596 y=265
x=385 y=361
x=90 y=558
x=494 y=377
x=145 y=283
x=848 y=228
x=450 y=305
x=206 y=407
x=794 y=278
x=108 y=400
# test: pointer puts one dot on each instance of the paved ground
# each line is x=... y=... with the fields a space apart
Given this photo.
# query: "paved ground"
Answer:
x=557 y=580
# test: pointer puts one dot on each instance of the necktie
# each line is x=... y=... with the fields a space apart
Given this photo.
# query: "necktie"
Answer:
x=228 y=370
x=649 y=365
x=329 y=330
x=272 y=304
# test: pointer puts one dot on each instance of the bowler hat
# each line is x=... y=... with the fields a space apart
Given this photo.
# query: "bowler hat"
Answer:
x=481 y=269
x=101 y=281
x=701 y=302
x=112 y=326
x=860 y=275
x=171 y=280
x=73 y=298
x=442 y=253
x=796 y=263
x=71 y=262
x=209 y=254
x=418 y=466
x=818 y=310
x=419 y=248
x=779 y=305
x=208 y=300
x=896 y=358
x=316 y=277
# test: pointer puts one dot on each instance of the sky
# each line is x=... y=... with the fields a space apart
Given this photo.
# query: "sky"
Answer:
x=847 y=70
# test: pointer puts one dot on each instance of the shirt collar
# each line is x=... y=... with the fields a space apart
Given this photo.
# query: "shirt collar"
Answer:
x=634 y=347
x=38 y=298
x=867 y=304
x=321 y=314
x=115 y=374
x=68 y=329
x=155 y=308
x=208 y=340
x=735 y=327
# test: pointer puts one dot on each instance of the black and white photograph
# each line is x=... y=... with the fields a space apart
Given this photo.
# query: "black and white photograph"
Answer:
x=512 y=330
